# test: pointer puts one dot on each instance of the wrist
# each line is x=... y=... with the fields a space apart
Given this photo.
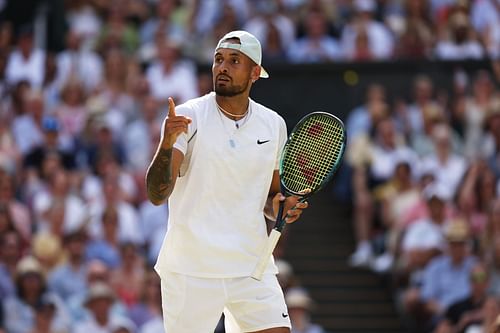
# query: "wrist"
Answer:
x=167 y=144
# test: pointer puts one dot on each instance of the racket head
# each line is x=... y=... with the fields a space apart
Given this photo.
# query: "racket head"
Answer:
x=312 y=153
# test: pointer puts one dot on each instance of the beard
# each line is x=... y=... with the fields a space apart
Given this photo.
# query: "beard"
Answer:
x=230 y=91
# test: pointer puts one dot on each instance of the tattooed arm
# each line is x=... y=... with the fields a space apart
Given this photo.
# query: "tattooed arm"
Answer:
x=164 y=168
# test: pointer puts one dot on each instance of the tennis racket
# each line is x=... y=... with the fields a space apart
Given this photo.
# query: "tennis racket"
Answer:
x=310 y=158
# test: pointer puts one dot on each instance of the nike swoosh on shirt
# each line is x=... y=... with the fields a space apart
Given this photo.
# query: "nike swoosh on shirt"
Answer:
x=259 y=142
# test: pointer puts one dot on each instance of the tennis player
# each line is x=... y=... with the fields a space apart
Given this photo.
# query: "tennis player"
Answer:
x=217 y=164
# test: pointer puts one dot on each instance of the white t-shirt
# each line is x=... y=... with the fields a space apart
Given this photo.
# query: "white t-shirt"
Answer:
x=216 y=225
x=423 y=235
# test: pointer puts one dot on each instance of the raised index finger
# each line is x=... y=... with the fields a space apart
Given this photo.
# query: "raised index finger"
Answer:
x=171 y=107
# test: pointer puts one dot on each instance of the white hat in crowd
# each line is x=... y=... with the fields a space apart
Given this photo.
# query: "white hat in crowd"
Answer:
x=298 y=298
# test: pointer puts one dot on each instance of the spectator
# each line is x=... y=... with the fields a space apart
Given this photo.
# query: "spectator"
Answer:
x=374 y=163
x=83 y=19
x=106 y=249
x=470 y=311
x=477 y=111
x=168 y=19
x=486 y=21
x=450 y=167
x=170 y=76
x=380 y=42
x=267 y=18
x=128 y=219
x=75 y=63
x=154 y=222
x=57 y=210
x=10 y=156
x=71 y=112
x=99 y=300
x=127 y=279
x=316 y=45
x=286 y=276
x=412 y=117
x=300 y=306
x=53 y=143
x=416 y=39
x=96 y=272
x=362 y=119
x=69 y=278
x=137 y=136
x=27 y=127
x=10 y=253
x=460 y=44
x=424 y=239
x=476 y=194
x=489 y=240
x=45 y=311
x=19 y=310
x=491 y=141
x=445 y=279
x=51 y=86
x=396 y=196
x=112 y=93
x=116 y=32
x=47 y=248
x=17 y=210
x=26 y=62
x=148 y=307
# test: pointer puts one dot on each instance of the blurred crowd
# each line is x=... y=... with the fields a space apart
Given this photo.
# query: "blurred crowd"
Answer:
x=79 y=124
x=426 y=195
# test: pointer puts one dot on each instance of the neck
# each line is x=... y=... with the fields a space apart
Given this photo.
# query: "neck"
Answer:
x=234 y=108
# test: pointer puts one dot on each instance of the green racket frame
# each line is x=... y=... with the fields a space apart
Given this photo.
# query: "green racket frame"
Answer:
x=319 y=137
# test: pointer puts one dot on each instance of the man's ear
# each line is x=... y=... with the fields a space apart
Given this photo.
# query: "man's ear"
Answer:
x=255 y=73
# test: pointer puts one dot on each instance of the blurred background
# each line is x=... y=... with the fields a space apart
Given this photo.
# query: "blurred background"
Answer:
x=405 y=239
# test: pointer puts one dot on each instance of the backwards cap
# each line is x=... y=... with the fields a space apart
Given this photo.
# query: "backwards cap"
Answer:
x=249 y=45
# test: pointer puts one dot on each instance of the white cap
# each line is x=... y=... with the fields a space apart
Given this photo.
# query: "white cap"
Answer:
x=249 y=45
x=298 y=298
x=437 y=190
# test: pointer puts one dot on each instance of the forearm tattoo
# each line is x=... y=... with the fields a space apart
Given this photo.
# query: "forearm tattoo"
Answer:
x=159 y=176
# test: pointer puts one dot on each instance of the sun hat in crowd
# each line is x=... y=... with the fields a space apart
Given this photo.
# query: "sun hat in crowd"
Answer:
x=298 y=298
x=456 y=230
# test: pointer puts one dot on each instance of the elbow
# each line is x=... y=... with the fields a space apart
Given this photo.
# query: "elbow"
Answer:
x=156 y=202
x=156 y=198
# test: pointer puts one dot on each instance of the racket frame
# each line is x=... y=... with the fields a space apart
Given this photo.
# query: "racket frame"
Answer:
x=280 y=224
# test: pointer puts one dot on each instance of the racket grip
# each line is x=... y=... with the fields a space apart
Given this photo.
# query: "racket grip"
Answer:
x=274 y=236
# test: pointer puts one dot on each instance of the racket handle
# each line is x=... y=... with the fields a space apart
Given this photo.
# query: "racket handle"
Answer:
x=274 y=236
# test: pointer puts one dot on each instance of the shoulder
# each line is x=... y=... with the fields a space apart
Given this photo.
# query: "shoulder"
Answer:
x=439 y=263
x=195 y=106
x=267 y=113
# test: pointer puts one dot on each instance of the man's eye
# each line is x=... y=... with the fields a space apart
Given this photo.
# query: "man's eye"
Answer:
x=236 y=61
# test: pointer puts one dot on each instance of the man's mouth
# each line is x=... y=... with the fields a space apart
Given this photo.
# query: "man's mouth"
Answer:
x=223 y=78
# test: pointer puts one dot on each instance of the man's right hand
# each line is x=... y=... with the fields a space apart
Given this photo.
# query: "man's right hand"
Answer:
x=174 y=125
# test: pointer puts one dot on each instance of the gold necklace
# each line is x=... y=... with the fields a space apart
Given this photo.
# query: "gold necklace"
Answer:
x=221 y=109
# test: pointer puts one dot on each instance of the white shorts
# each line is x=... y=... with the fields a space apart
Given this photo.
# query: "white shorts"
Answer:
x=194 y=305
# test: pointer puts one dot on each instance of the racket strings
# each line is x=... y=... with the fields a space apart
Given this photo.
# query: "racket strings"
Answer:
x=314 y=151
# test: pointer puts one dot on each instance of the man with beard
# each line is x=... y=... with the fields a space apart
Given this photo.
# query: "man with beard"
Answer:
x=217 y=164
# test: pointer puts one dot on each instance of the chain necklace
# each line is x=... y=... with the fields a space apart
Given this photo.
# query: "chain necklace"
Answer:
x=221 y=109
x=242 y=117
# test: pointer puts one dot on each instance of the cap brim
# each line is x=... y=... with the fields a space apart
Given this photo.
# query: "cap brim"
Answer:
x=263 y=73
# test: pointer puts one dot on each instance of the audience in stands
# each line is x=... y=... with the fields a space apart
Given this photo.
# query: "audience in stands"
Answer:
x=79 y=124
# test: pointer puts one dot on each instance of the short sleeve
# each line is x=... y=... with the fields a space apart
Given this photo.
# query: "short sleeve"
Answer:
x=182 y=140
